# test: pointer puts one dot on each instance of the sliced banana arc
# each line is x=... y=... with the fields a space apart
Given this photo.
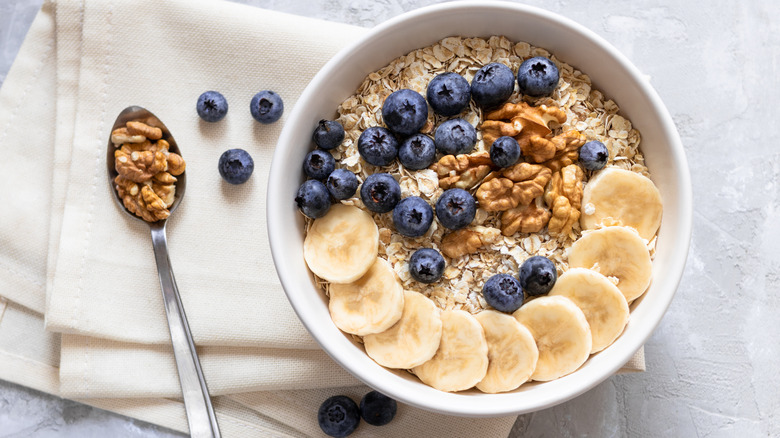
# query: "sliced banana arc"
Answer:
x=622 y=195
x=604 y=306
x=512 y=352
x=615 y=252
x=462 y=358
x=561 y=332
x=411 y=341
x=372 y=304
x=342 y=245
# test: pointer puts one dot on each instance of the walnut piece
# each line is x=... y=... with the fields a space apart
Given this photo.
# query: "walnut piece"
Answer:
x=462 y=171
x=140 y=166
x=526 y=123
x=141 y=128
x=526 y=219
x=567 y=147
x=564 y=197
x=467 y=241
x=517 y=186
x=143 y=202
x=146 y=181
x=121 y=135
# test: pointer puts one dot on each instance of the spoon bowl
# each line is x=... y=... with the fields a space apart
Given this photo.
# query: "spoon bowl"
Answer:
x=201 y=418
x=140 y=114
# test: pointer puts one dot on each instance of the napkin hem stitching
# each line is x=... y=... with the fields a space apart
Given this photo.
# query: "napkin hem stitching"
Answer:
x=92 y=201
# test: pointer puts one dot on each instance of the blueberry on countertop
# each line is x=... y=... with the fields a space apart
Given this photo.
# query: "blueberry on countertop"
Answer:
x=537 y=275
x=236 y=166
x=342 y=184
x=412 y=216
x=377 y=146
x=313 y=199
x=594 y=155
x=456 y=208
x=455 y=136
x=380 y=192
x=212 y=106
x=505 y=151
x=448 y=93
x=338 y=416
x=492 y=85
x=318 y=164
x=417 y=152
x=377 y=409
x=503 y=292
x=405 y=112
x=328 y=134
x=266 y=106
x=426 y=265
x=537 y=77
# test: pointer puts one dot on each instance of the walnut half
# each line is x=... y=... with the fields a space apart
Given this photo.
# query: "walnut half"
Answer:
x=462 y=171
x=564 y=197
x=517 y=185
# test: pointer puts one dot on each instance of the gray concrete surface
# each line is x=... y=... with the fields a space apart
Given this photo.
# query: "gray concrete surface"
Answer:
x=712 y=365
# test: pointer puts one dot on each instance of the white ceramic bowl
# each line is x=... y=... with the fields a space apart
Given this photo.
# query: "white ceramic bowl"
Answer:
x=570 y=42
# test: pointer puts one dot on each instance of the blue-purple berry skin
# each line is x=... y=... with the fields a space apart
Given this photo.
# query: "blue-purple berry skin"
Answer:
x=405 y=112
x=328 y=134
x=313 y=199
x=266 y=107
x=492 y=85
x=212 y=106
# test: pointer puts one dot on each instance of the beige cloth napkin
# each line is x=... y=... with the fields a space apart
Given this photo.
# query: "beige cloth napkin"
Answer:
x=61 y=229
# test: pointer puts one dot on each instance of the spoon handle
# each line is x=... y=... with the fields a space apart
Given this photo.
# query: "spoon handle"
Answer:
x=200 y=414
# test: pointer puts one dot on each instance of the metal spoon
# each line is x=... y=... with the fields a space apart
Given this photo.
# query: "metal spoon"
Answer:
x=197 y=403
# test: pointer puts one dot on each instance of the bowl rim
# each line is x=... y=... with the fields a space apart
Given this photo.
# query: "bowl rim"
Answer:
x=453 y=403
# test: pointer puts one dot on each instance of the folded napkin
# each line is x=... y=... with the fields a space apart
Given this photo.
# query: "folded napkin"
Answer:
x=68 y=250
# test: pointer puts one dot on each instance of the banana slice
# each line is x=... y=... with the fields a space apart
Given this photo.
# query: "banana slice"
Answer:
x=622 y=195
x=413 y=340
x=615 y=252
x=604 y=306
x=561 y=332
x=462 y=358
x=372 y=304
x=342 y=245
x=512 y=352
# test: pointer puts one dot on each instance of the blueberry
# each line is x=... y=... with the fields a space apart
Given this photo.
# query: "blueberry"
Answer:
x=537 y=77
x=328 y=134
x=342 y=184
x=378 y=146
x=266 y=106
x=212 y=106
x=492 y=85
x=318 y=164
x=426 y=265
x=338 y=416
x=380 y=192
x=594 y=155
x=448 y=93
x=537 y=275
x=313 y=199
x=236 y=166
x=417 y=152
x=456 y=208
x=412 y=216
x=505 y=151
x=377 y=409
x=405 y=112
x=503 y=292
x=455 y=136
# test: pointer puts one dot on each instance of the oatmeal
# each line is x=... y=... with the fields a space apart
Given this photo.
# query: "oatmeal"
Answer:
x=560 y=216
x=586 y=110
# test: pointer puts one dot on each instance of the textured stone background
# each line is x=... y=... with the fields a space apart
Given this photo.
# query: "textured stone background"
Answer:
x=713 y=362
